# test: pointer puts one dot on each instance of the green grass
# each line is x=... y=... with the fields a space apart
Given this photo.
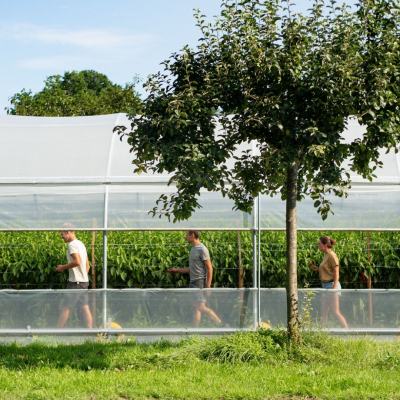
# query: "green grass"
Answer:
x=260 y=365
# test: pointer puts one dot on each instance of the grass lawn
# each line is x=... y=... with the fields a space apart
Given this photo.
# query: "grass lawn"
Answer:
x=258 y=365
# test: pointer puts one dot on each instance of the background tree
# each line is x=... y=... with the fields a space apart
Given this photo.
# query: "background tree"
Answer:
x=76 y=94
x=288 y=81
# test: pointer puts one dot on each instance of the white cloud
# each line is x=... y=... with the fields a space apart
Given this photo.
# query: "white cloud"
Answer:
x=95 y=39
x=51 y=62
x=76 y=61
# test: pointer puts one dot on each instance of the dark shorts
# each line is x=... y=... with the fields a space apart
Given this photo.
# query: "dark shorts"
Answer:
x=198 y=295
x=78 y=299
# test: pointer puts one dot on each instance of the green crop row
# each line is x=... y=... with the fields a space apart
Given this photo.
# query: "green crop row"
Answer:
x=141 y=259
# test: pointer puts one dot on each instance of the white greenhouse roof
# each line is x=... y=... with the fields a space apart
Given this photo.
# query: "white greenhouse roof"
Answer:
x=75 y=169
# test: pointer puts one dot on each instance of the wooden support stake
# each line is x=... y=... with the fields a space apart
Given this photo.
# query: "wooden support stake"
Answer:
x=93 y=255
x=241 y=283
x=240 y=266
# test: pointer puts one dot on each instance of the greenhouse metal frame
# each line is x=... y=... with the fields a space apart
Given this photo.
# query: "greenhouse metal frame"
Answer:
x=78 y=170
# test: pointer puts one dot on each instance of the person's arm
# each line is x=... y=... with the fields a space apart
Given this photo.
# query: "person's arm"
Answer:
x=209 y=270
x=76 y=260
x=314 y=267
x=178 y=270
x=335 y=276
x=87 y=265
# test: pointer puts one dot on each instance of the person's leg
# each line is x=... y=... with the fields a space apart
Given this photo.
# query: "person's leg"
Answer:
x=324 y=309
x=196 y=315
x=205 y=310
x=63 y=318
x=335 y=308
x=87 y=316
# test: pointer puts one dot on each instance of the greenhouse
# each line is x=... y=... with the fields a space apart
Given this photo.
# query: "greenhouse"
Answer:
x=77 y=170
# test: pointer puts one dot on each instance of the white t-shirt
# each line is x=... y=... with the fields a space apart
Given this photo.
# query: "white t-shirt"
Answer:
x=77 y=274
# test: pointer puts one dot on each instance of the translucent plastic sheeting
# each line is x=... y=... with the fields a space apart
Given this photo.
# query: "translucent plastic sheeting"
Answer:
x=42 y=149
x=49 y=207
x=389 y=172
x=360 y=308
x=171 y=308
x=365 y=208
x=129 y=308
x=129 y=206
x=77 y=170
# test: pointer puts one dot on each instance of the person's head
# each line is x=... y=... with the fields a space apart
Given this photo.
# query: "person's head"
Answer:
x=326 y=243
x=192 y=236
x=68 y=235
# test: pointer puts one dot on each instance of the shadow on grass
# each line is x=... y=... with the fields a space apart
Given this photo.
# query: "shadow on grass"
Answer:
x=87 y=356
x=264 y=346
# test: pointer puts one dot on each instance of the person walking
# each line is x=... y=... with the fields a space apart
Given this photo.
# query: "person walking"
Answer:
x=329 y=277
x=201 y=273
x=78 y=268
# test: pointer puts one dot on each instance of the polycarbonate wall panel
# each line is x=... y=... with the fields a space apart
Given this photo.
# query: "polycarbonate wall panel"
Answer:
x=129 y=206
x=366 y=207
x=171 y=308
x=49 y=207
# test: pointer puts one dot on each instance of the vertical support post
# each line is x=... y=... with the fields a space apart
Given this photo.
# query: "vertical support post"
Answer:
x=104 y=278
x=259 y=263
x=93 y=296
x=105 y=259
x=255 y=299
x=105 y=256
x=369 y=281
x=93 y=255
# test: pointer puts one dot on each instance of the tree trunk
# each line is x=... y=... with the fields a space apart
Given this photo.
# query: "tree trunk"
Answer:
x=292 y=298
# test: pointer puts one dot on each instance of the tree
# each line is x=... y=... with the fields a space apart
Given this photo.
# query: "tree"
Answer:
x=288 y=81
x=76 y=94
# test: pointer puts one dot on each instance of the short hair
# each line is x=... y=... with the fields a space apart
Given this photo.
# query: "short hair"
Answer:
x=328 y=241
x=196 y=234
x=68 y=227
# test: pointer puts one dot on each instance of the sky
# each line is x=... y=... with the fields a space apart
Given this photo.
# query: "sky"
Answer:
x=121 y=40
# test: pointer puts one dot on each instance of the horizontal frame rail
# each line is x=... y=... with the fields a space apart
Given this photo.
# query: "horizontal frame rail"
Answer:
x=188 y=331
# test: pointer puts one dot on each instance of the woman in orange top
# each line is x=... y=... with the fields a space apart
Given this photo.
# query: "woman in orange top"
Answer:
x=329 y=276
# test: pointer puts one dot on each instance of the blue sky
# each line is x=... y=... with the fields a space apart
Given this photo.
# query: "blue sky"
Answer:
x=130 y=37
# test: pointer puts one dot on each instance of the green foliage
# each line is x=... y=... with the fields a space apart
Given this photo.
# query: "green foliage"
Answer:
x=199 y=368
x=288 y=81
x=254 y=347
x=76 y=94
x=141 y=259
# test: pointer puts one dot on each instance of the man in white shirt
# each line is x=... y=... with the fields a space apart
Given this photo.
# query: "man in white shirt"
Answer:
x=78 y=268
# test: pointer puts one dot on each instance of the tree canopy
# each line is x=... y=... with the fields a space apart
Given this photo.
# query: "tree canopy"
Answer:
x=76 y=94
x=288 y=81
